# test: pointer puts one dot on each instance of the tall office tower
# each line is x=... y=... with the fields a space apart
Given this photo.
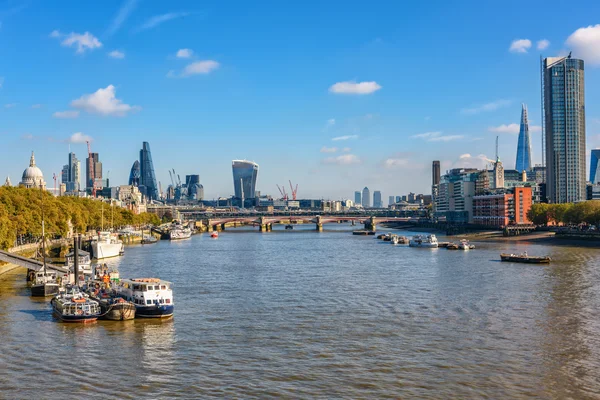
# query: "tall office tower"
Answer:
x=135 y=174
x=564 y=128
x=73 y=183
x=435 y=173
x=97 y=172
x=523 y=162
x=195 y=190
x=147 y=177
x=390 y=200
x=595 y=167
x=377 y=203
x=64 y=176
x=244 y=179
x=366 y=198
x=357 y=198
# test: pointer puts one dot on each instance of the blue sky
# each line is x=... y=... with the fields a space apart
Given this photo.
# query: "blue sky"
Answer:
x=332 y=95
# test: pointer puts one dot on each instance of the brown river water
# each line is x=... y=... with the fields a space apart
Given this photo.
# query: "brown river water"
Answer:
x=301 y=314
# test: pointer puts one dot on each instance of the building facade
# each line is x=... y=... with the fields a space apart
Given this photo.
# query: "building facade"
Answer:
x=377 y=202
x=523 y=162
x=147 y=177
x=96 y=174
x=366 y=198
x=357 y=198
x=245 y=174
x=595 y=167
x=33 y=176
x=435 y=173
x=135 y=174
x=564 y=122
x=499 y=208
x=454 y=200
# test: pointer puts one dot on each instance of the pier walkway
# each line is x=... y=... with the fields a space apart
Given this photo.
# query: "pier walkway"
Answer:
x=20 y=261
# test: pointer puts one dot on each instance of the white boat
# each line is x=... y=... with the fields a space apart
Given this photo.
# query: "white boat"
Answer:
x=107 y=245
x=465 y=245
x=429 y=241
x=153 y=297
x=179 y=232
x=395 y=239
x=75 y=306
x=85 y=262
x=45 y=283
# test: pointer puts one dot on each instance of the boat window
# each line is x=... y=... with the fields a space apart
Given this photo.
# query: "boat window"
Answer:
x=136 y=287
x=161 y=301
x=168 y=301
x=148 y=301
x=163 y=287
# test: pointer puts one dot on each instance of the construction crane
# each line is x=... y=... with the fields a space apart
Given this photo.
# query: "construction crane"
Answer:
x=172 y=180
x=91 y=169
x=294 y=190
x=283 y=193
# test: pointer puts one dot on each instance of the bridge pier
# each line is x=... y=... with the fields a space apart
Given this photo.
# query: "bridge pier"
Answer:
x=319 y=227
x=370 y=224
x=222 y=227
x=266 y=227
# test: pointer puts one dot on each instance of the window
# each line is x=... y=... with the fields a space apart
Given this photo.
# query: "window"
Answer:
x=148 y=301
x=168 y=301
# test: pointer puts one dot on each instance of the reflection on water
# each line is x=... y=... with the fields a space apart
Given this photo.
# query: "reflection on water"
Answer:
x=305 y=314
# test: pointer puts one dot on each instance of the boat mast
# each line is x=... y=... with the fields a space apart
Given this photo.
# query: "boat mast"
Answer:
x=43 y=231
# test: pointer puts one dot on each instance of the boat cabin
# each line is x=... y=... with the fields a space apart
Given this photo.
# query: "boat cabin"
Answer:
x=146 y=291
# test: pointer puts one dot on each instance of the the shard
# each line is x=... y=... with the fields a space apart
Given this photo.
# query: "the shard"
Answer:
x=524 y=144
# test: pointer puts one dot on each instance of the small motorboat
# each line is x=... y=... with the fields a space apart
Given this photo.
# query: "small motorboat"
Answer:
x=214 y=235
x=465 y=245
x=289 y=226
x=524 y=258
x=149 y=239
x=395 y=239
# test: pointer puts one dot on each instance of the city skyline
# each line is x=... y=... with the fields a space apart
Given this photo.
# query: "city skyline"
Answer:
x=349 y=122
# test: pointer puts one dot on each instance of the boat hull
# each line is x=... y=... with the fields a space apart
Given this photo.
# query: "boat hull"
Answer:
x=44 y=290
x=163 y=311
x=119 y=312
x=106 y=250
x=524 y=259
x=75 y=319
x=180 y=237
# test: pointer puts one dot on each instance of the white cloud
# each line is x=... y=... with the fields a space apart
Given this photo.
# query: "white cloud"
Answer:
x=79 y=137
x=184 y=53
x=331 y=122
x=104 y=102
x=520 y=46
x=346 y=150
x=585 y=43
x=159 y=19
x=346 y=137
x=543 y=44
x=351 y=87
x=426 y=135
x=464 y=156
x=512 y=128
x=34 y=106
x=66 y=114
x=326 y=149
x=346 y=159
x=437 y=137
x=468 y=161
x=116 y=54
x=10 y=105
x=492 y=106
x=392 y=163
x=81 y=41
x=122 y=15
x=200 y=67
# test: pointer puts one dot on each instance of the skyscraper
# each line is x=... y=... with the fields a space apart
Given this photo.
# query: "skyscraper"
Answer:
x=357 y=198
x=377 y=203
x=523 y=162
x=73 y=183
x=564 y=128
x=366 y=198
x=97 y=171
x=147 y=177
x=135 y=174
x=391 y=200
x=245 y=174
x=435 y=173
x=595 y=167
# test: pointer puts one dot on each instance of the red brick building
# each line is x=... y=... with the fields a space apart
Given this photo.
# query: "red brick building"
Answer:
x=502 y=207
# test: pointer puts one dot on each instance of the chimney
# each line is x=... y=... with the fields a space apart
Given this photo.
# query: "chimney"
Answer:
x=524 y=176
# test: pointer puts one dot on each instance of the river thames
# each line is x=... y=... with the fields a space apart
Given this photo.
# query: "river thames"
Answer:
x=300 y=314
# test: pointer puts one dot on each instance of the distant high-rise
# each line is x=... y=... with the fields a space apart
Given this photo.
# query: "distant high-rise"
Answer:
x=135 y=174
x=97 y=172
x=595 y=167
x=391 y=200
x=147 y=177
x=245 y=174
x=377 y=203
x=564 y=129
x=523 y=162
x=73 y=183
x=366 y=198
x=195 y=190
x=435 y=173
x=357 y=198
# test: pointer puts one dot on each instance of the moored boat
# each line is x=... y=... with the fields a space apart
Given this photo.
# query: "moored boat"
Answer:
x=153 y=297
x=74 y=306
x=107 y=245
x=179 y=232
x=149 y=239
x=85 y=262
x=363 y=232
x=214 y=235
x=428 y=241
x=45 y=283
x=465 y=245
x=524 y=258
x=112 y=307
x=289 y=226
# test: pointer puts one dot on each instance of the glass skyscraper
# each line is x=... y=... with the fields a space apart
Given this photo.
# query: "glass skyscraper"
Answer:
x=523 y=162
x=366 y=198
x=147 y=177
x=244 y=179
x=595 y=167
x=135 y=174
x=357 y=198
x=564 y=129
x=377 y=203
